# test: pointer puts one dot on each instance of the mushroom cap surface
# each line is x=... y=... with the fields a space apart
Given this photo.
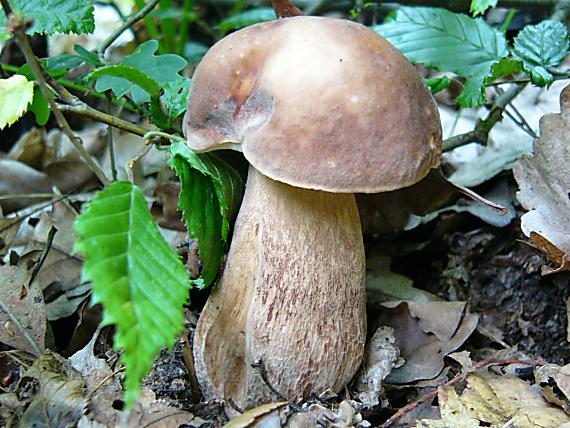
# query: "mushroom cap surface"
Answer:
x=317 y=103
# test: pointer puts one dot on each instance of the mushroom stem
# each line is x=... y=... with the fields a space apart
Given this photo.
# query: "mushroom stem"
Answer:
x=292 y=294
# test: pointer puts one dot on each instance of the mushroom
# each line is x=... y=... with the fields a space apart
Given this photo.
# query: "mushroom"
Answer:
x=321 y=108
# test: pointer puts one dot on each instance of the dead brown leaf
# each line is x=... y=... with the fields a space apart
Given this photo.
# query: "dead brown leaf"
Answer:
x=27 y=308
x=425 y=333
x=544 y=181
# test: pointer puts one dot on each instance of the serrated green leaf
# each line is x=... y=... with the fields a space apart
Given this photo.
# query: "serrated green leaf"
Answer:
x=541 y=46
x=175 y=97
x=162 y=68
x=210 y=195
x=131 y=74
x=480 y=6
x=438 y=84
x=247 y=18
x=16 y=94
x=136 y=276
x=505 y=67
x=447 y=41
x=54 y=16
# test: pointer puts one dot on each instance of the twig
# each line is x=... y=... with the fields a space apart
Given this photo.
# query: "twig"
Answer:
x=460 y=377
x=110 y=141
x=28 y=196
x=38 y=266
x=484 y=126
x=105 y=380
x=151 y=134
x=89 y=112
x=17 y=27
x=189 y=361
x=126 y=25
x=260 y=366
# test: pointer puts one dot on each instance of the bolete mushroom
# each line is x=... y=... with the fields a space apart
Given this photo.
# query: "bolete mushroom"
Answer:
x=321 y=108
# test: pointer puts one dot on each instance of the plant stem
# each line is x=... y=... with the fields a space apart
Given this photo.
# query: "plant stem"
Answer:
x=17 y=27
x=484 y=126
x=185 y=27
x=110 y=142
x=126 y=25
x=89 y=112
x=150 y=25
x=151 y=134
x=508 y=19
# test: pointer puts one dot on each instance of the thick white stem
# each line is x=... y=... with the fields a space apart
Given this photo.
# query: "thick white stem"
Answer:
x=292 y=293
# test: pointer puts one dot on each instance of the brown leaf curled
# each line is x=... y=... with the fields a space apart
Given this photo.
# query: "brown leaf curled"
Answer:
x=544 y=182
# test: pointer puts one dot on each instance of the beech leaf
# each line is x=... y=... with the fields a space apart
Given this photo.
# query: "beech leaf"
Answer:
x=544 y=182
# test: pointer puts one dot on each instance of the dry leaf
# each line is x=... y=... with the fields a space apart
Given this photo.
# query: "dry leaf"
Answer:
x=554 y=382
x=266 y=415
x=544 y=181
x=425 y=333
x=60 y=401
x=496 y=402
x=28 y=308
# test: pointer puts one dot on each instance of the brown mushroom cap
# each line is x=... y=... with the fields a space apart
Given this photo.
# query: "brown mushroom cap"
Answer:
x=317 y=103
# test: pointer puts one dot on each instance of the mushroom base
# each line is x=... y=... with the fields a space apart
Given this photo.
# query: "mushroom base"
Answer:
x=292 y=294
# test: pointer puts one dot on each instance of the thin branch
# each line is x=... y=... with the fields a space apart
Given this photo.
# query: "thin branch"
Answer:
x=460 y=377
x=91 y=113
x=484 y=126
x=126 y=25
x=17 y=27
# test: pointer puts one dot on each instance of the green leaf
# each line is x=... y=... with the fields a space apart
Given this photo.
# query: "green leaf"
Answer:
x=245 y=19
x=438 y=84
x=162 y=68
x=136 y=276
x=505 y=67
x=131 y=74
x=40 y=107
x=54 y=16
x=63 y=62
x=194 y=51
x=448 y=41
x=16 y=94
x=541 y=46
x=480 y=6
x=210 y=196
x=89 y=57
x=175 y=97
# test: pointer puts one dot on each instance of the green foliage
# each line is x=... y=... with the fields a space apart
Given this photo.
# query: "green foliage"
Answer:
x=131 y=74
x=210 y=195
x=63 y=62
x=16 y=94
x=480 y=6
x=138 y=278
x=438 y=84
x=54 y=16
x=40 y=107
x=541 y=46
x=448 y=41
x=247 y=18
x=175 y=98
x=162 y=68
x=89 y=57
x=505 y=67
